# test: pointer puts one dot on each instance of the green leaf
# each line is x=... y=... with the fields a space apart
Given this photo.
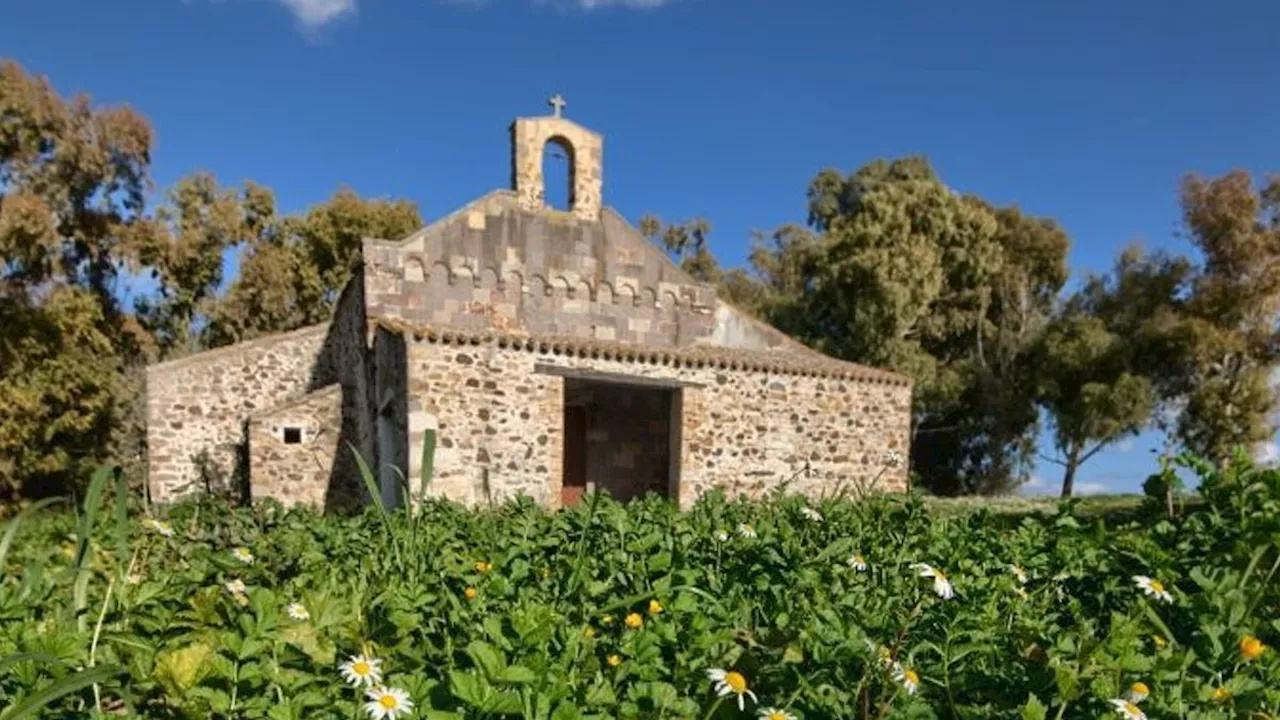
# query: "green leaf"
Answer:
x=28 y=706
x=486 y=657
x=179 y=670
x=566 y=711
x=516 y=674
x=1033 y=709
x=11 y=529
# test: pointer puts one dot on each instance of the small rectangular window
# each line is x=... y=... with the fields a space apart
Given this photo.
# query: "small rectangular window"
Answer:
x=292 y=435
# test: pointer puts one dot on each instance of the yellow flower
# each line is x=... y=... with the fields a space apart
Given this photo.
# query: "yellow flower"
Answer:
x=909 y=680
x=589 y=632
x=614 y=660
x=1159 y=641
x=634 y=621
x=731 y=682
x=1251 y=647
x=1220 y=695
x=655 y=607
x=1137 y=692
x=606 y=620
x=483 y=567
x=471 y=593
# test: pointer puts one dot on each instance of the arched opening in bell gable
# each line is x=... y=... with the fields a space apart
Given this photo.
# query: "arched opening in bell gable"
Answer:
x=558 y=173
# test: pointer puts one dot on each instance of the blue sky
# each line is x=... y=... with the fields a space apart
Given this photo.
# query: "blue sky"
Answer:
x=1088 y=112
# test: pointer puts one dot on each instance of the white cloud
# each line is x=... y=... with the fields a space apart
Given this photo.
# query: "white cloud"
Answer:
x=1125 y=445
x=314 y=14
x=1090 y=488
x=642 y=4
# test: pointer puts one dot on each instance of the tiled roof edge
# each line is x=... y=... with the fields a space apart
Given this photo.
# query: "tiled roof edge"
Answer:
x=698 y=356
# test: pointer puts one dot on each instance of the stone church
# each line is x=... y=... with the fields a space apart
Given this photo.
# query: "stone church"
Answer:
x=550 y=351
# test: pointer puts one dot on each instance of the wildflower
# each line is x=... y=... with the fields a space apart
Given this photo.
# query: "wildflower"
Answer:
x=243 y=555
x=731 y=682
x=606 y=620
x=160 y=527
x=588 y=632
x=775 y=714
x=811 y=514
x=133 y=578
x=892 y=458
x=941 y=585
x=387 y=703
x=908 y=678
x=1137 y=693
x=1159 y=641
x=470 y=593
x=1019 y=573
x=361 y=670
x=1022 y=593
x=1220 y=695
x=298 y=611
x=746 y=530
x=483 y=567
x=1153 y=588
x=614 y=660
x=241 y=599
x=722 y=536
x=1128 y=709
x=634 y=621
x=858 y=563
x=235 y=587
x=1251 y=647
x=655 y=607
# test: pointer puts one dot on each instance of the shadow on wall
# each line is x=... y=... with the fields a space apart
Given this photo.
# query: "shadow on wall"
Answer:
x=343 y=359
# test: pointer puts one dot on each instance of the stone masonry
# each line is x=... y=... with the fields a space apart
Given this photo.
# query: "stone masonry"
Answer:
x=549 y=351
x=749 y=422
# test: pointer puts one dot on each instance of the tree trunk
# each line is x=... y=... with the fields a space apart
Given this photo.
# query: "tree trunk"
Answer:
x=1069 y=476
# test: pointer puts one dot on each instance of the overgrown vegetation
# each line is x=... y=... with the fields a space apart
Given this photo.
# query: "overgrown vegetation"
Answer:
x=819 y=609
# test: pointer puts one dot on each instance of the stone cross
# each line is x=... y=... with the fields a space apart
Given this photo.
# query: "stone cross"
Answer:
x=557 y=102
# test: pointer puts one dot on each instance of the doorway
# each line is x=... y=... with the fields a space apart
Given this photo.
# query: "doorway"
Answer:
x=619 y=438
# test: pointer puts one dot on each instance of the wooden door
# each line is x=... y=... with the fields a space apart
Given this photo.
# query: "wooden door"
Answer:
x=575 y=455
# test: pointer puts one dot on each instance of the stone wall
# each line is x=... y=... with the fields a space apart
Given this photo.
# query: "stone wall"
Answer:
x=200 y=404
x=199 y=407
x=585 y=150
x=493 y=265
x=292 y=448
x=499 y=407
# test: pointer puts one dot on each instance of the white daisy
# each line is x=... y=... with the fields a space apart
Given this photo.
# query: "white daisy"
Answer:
x=908 y=678
x=1137 y=692
x=1153 y=588
x=746 y=530
x=161 y=527
x=722 y=536
x=731 y=682
x=387 y=703
x=1128 y=709
x=811 y=514
x=893 y=458
x=235 y=587
x=941 y=585
x=361 y=670
x=775 y=714
x=243 y=555
x=298 y=611
x=1019 y=573
x=857 y=562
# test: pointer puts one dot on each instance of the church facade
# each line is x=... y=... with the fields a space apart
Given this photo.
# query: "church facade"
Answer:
x=543 y=352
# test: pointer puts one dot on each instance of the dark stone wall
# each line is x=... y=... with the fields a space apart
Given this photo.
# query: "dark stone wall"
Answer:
x=495 y=265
